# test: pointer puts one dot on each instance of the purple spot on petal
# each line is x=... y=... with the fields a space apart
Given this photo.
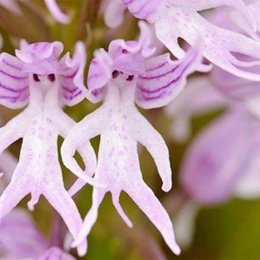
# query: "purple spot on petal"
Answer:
x=130 y=78
x=36 y=78
x=115 y=74
x=51 y=77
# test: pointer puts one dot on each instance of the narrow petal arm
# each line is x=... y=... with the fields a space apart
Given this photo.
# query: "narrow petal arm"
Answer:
x=65 y=124
x=144 y=132
x=80 y=134
x=12 y=131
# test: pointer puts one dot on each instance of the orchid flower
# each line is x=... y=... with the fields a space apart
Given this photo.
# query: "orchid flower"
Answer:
x=126 y=74
x=173 y=19
x=38 y=78
x=21 y=239
x=54 y=9
x=216 y=169
x=210 y=174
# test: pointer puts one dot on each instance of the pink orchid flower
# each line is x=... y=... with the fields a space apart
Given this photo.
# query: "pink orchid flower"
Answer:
x=37 y=78
x=21 y=239
x=223 y=159
x=174 y=19
x=120 y=77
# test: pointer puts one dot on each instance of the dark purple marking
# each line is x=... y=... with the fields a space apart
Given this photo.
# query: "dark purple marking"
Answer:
x=161 y=75
x=13 y=89
x=166 y=85
x=72 y=97
x=130 y=78
x=115 y=74
x=157 y=67
x=13 y=76
x=97 y=92
x=70 y=90
x=51 y=77
x=36 y=77
x=11 y=65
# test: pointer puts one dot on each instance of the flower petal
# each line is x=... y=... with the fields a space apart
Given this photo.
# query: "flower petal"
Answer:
x=55 y=253
x=238 y=5
x=143 y=196
x=248 y=186
x=34 y=53
x=79 y=135
x=220 y=44
x=38 y=171
x=56 y=12
x=12 y=131
x=184 y=223
x=114 y=13
x=145 y=9
x=99 y=74
x=91 y=217
x=19 y=237
x=214 y=162
x=11 y=5
x=14 y=84
x=143 y=132
x=118 y=167
x=164 y=79
x=72 y=71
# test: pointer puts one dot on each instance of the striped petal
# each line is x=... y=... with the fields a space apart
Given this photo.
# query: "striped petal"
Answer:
x=14 y=83
x=71 y=74
x=164 y=79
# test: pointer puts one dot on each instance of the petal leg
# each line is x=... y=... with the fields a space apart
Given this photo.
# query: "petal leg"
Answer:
x=144 y=197
x=91 y=217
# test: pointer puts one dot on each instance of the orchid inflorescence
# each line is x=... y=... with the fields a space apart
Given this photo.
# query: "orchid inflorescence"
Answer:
x=149 y=72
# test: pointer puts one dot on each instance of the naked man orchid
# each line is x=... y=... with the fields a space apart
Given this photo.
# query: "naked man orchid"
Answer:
x=38 y=78
x=122 y=76
x=153 y=102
